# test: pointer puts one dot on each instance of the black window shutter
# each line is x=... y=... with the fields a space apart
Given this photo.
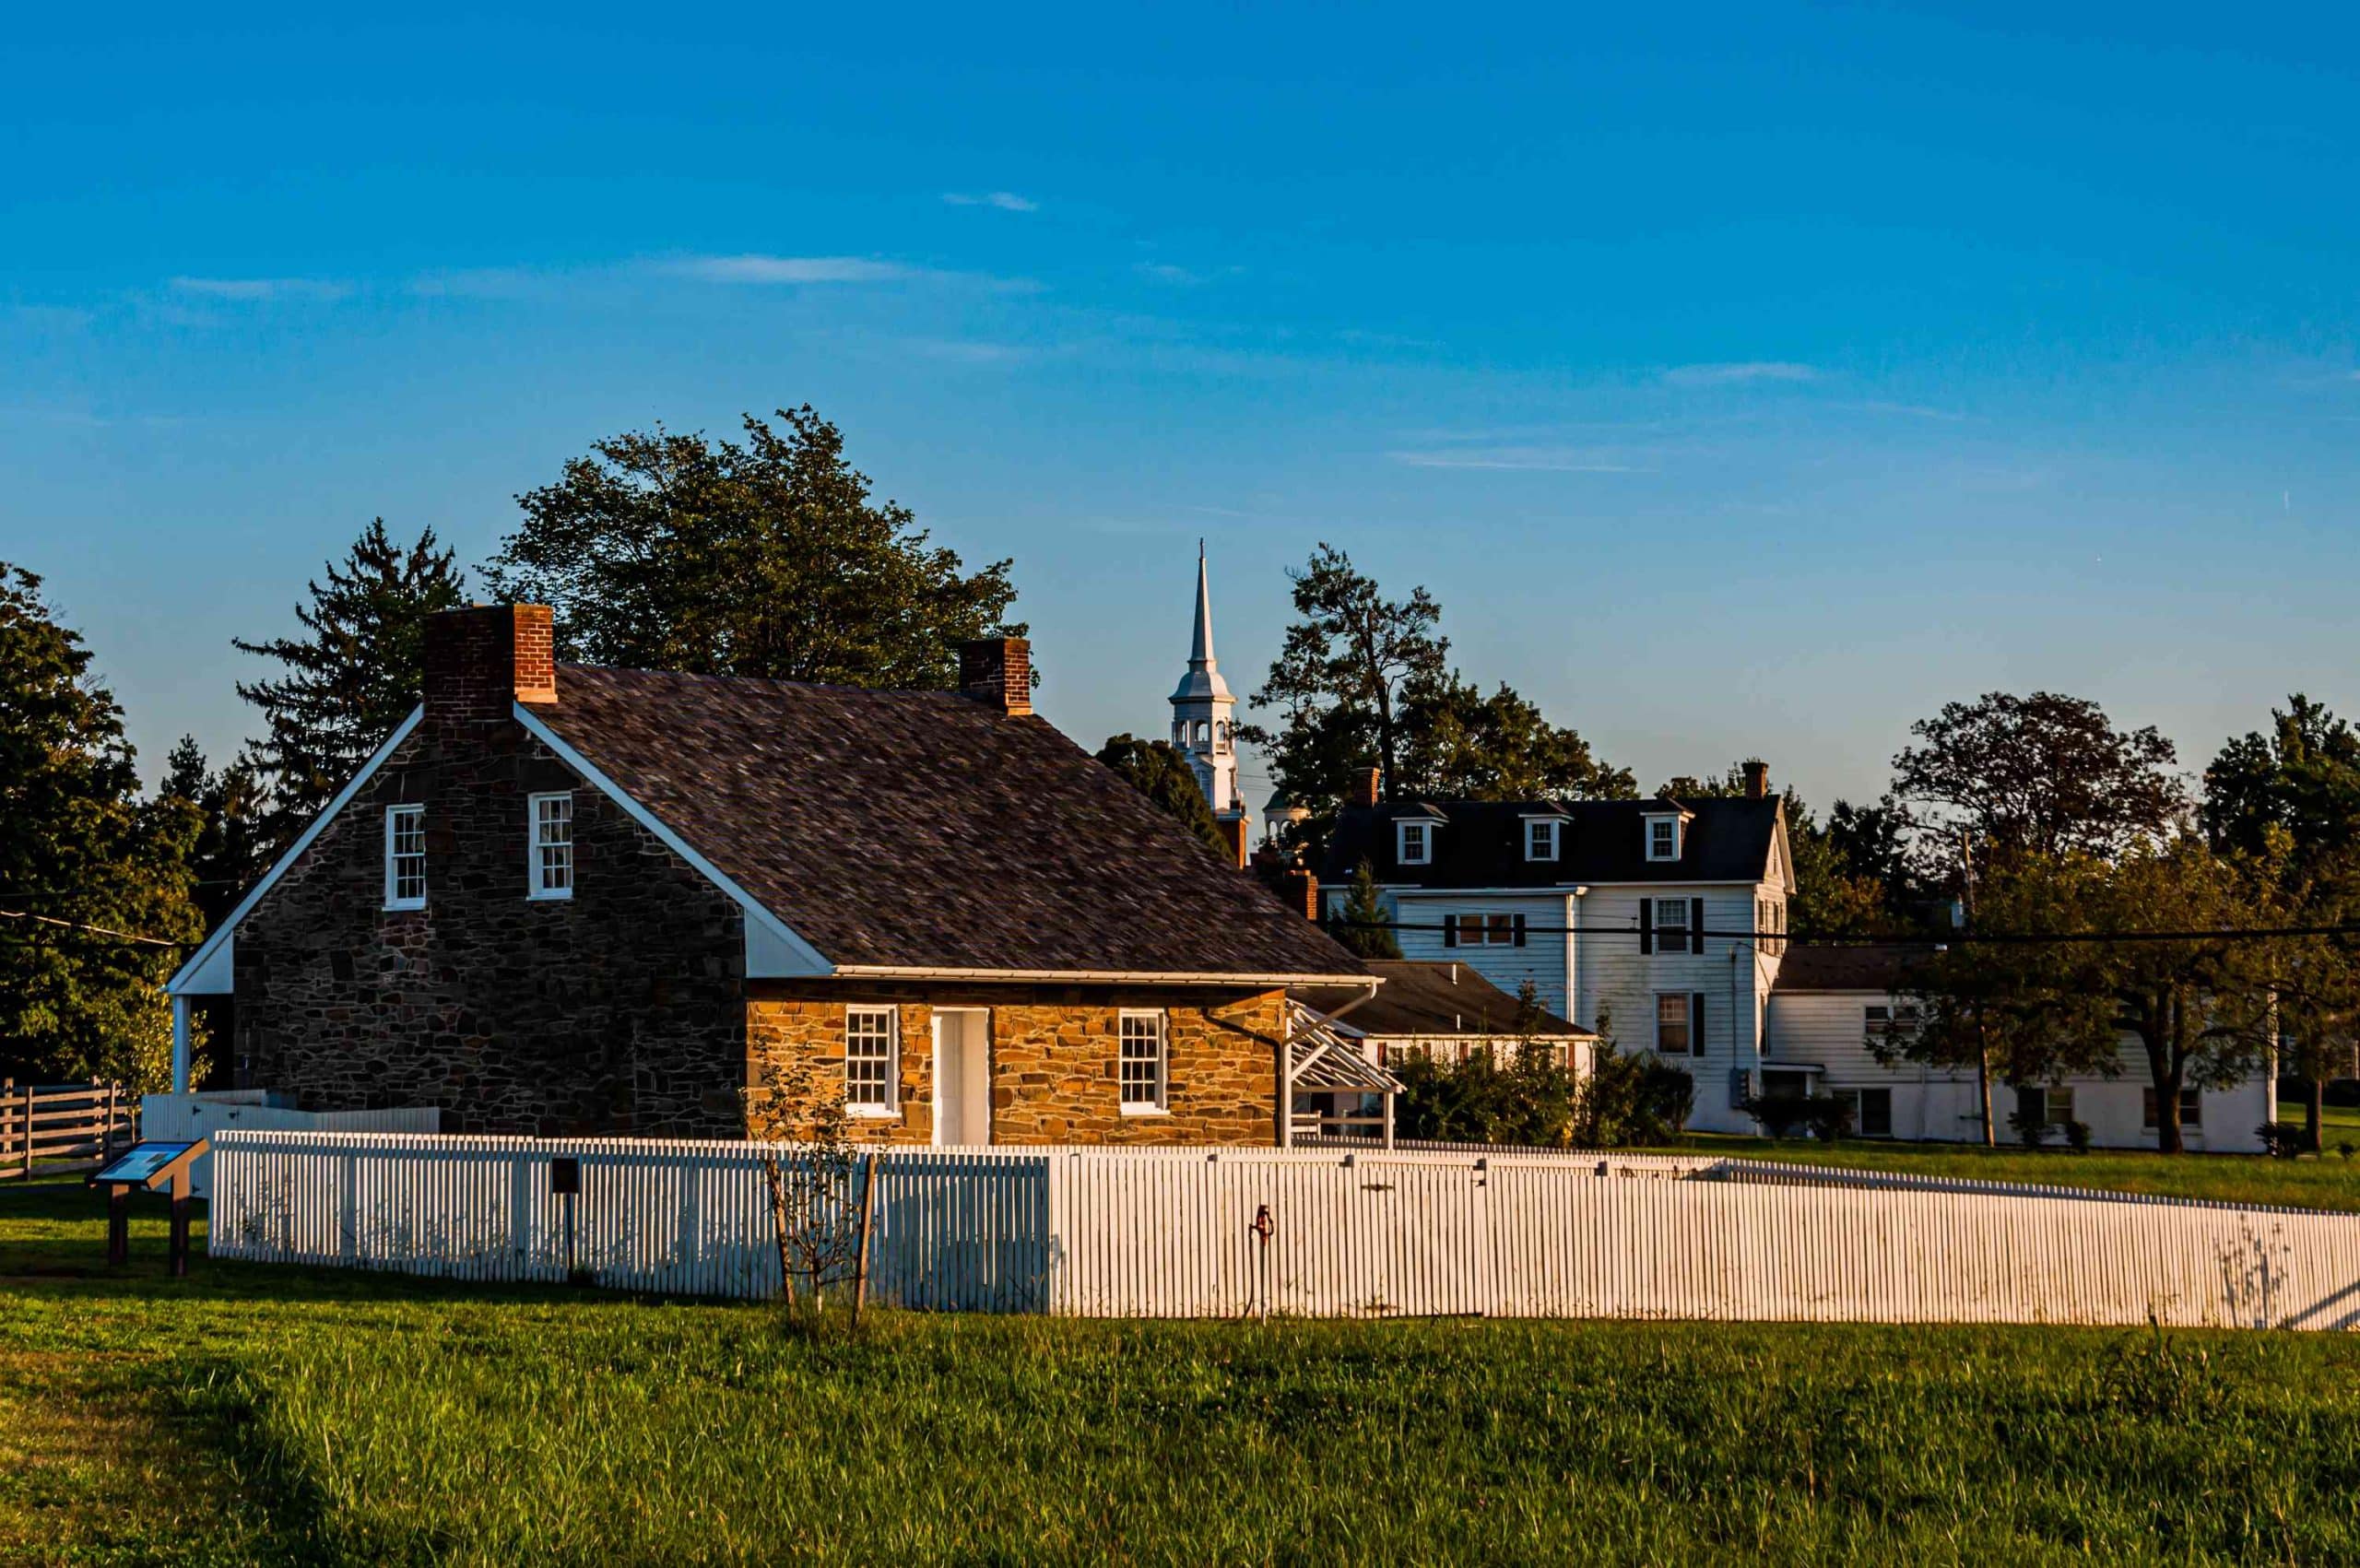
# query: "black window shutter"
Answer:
x=1647 y=926
x=1450 y=930
x=1696 y=926
x=1696 y=1022
x=1519 y=930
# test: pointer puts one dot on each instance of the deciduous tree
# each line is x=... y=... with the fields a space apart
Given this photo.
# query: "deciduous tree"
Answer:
x=2044 y=774
x=767 y=557
x=1157 y=770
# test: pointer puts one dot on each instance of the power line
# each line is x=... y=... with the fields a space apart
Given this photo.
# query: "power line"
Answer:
x=1955 y=938
x=78 y=926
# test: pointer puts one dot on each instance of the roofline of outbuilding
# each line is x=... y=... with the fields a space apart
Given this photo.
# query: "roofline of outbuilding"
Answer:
x=1368 y=983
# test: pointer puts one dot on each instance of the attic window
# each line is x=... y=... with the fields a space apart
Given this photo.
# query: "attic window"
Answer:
x=1541 y=838
x=1413 y=843
x=1663 y=838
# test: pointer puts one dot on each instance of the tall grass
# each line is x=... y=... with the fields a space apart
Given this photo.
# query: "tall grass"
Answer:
x=617 y=1432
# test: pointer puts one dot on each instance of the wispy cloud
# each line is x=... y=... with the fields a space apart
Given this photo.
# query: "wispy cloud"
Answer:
x=795 y=269
x=263 y=290
x=1909 y=411
x=1165 y=272
x=1006 y=201
x=1738 y=372
x=1533 y=459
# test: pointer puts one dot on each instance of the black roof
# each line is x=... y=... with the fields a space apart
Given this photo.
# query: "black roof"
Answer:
x=1875 y=966
x=1423 y=998
x=1479 y=844
x=926 y=829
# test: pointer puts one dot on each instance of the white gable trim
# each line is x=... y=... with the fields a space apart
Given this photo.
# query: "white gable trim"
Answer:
x=208 y=971
x=773 y=950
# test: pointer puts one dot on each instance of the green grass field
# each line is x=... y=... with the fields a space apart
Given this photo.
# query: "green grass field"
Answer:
x=2330 y=1182
x=262 y=1415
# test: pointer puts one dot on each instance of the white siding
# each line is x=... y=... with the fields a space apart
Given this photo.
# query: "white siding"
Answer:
x=1828 y=1028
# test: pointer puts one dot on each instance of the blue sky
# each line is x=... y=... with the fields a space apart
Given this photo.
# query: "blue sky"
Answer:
x=1750 y=381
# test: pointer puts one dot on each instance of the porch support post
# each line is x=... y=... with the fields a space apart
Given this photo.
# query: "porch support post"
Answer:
x=180 y=1044
x=1389 y=1121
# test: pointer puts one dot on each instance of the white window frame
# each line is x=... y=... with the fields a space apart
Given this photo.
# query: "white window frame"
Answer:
x=1425 y=832
x=1547 y=830
x=1687 y=1023
x=395 y=815
x=537 y=864
x=1654 y=820
x=855 y=1016
x=1158 y=1033
x=1665 y=930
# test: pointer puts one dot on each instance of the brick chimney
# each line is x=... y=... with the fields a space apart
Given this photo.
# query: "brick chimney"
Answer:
x=1232 y=828
x=1757 y=778
x=1368 y=786
x=997 y=671
x=482 y=659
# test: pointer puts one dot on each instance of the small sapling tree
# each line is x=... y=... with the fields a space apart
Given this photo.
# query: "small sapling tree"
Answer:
x=812 y=1169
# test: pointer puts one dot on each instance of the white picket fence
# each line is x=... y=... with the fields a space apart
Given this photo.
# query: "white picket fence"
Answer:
x=1170 y=1233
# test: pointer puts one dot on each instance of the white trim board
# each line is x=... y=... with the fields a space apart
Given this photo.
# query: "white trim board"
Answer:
x=773 y=950
x=209 y=971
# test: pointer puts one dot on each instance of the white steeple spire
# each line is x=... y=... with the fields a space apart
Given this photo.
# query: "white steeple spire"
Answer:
x=1201 y=706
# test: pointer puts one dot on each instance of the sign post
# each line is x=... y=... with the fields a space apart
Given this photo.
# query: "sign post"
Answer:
x=151 y=1167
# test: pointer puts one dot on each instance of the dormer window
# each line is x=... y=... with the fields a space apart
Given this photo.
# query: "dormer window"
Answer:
x=1663 y=838
x=1413 y=843
x=1541 y=838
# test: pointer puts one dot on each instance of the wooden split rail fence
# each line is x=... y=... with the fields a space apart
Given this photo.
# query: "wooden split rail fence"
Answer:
x=63 y=1125
x=1180 y=1233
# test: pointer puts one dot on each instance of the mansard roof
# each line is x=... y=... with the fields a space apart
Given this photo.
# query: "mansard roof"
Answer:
x=1481 y=844
x=918 y=829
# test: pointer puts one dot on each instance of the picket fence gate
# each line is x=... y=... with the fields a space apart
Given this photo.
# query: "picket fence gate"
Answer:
x=1172 y=1234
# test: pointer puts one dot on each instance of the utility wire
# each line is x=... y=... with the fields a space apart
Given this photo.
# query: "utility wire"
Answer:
x=1955 y=938
x=130 y=936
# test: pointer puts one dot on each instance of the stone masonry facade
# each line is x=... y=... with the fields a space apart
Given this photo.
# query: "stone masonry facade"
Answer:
x=620 y=1010
x=1053 y=1054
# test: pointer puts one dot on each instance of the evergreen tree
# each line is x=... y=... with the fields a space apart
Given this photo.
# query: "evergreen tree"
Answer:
x=352 y=680
x=94 y=882
x=1363 y=925
x=229 y=854
x=662 y=551
x=1158 y=771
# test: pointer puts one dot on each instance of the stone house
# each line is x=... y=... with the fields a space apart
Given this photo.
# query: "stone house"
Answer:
x=564 y=900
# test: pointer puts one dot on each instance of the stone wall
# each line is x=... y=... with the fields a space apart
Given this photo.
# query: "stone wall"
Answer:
x=619 y=1011
x=1053 y=1056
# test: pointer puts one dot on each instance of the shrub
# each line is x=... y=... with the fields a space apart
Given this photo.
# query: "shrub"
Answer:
x=2284 y=1140
x=2032 y=1131
x=1824 y=1117
x=2077 y=1137
x=1630 y=1101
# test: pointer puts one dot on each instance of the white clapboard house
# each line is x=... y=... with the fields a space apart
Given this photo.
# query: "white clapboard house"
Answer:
x=1648 y=921
x=1829 y=1003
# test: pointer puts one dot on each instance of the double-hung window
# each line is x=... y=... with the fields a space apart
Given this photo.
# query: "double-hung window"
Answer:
x=2191 y=1108
x=1680 y=1023
x=405 y=857
x=1541 y=838
x=1663 y=838
x=1673 y=932
x=1145 y=1053
x=550 y=851
x=872 y=1060
x=1413 y=843
x=1473 y=930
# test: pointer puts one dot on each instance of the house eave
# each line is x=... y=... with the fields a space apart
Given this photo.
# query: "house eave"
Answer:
x=1368 y=983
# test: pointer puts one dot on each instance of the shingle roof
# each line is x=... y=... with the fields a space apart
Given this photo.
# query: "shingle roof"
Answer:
x=1480 y=843
x=926 y=829
x=1884 y=967
x=1422 y=997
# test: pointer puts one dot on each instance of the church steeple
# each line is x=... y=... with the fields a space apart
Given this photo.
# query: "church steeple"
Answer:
x=1201 y=726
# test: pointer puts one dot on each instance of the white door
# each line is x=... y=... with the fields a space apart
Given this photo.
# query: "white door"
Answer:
x=962 y=1110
